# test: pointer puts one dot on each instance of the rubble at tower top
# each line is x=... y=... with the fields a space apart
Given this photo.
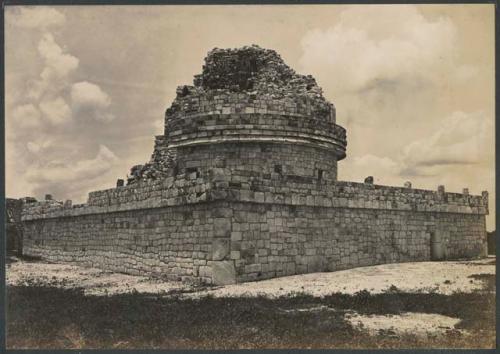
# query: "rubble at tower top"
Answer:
x=254 y=69
x=253 y=73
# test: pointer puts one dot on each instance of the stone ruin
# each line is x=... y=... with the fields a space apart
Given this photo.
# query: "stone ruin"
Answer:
x=243 y=186
x=243 y=95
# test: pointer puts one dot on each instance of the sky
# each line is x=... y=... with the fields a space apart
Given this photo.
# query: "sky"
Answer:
x=87 y=87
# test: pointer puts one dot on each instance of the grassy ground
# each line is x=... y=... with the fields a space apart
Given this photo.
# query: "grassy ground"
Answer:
x=50 y=317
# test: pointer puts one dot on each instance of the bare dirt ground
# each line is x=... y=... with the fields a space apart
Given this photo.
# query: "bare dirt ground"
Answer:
x=409 y=305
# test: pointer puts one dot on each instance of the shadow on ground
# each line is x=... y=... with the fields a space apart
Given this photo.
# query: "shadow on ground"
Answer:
x=48 y=317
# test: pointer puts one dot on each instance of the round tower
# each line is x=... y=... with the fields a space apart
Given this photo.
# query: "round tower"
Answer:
x=249 y=112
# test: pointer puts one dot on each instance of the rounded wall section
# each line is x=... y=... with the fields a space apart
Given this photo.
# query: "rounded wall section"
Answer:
x=265 y=128
x=249 y=101
x=255 y=162
x=199 y=118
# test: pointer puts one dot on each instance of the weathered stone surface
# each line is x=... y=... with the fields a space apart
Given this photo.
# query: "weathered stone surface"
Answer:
x=223 y=272
x=220 y=249
x=222 y=227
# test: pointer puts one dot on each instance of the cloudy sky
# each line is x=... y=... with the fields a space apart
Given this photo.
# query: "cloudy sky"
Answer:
x=87 y=87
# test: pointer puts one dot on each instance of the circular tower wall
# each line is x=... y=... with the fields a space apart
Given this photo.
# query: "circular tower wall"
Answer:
x=248 y=111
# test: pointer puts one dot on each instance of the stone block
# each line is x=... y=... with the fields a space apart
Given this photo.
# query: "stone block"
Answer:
x=236 y=236
x=290 y=268
x=218 y=174
x=220 y=249
x=222 y=212
x=253 y=268
x=205 y=271
x=223 y=272
x=316 y=264
x=259 y=197
x=222 y=227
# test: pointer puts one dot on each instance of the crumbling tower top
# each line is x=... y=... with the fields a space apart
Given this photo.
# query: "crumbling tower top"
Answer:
x=253 y=69
x=247 y=99
x=233 y=81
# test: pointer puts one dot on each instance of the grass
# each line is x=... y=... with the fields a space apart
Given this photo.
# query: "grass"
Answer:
x=49 y=317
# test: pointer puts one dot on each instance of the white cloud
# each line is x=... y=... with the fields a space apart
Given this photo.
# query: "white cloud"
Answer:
x=71 y=179
x=89 y=99
x=58 y=65
x=385 y=67
x=370 y=44
x=25 y=116
x=56 y=60
x=39 y=17
x=394 y=74
x=87 y=94
x=91 y=168
x=383 y=169
x=461 y=139
x=458 y=154
x=56 y=111
x=44 y=113
x=33 y=147
x=375 y=162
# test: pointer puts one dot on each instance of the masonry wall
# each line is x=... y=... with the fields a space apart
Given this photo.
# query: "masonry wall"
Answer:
x=269 y=241
x=174 y=243
x=218 y=233
x=252 y=162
